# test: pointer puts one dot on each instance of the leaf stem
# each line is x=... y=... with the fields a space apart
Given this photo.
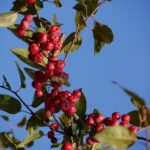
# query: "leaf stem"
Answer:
x=143 y=138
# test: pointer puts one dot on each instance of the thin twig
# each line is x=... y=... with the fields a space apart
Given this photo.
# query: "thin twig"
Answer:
x=143 y=138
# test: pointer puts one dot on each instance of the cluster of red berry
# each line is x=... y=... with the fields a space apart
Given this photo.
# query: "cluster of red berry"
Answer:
x=98 y=123
x=30 y=2
x=46 y=41
x=24 y=25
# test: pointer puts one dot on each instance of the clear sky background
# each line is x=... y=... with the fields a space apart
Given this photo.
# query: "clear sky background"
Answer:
x=126 y=60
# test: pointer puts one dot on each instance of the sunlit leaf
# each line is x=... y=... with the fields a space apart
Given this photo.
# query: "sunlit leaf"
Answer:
x=116 y=137
x=22 y=77
x=9 y=104
x=8 y=19
x=22 y=54
x=31 y=137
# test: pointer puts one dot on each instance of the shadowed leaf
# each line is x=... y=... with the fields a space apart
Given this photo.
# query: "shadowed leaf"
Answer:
x=22 y=122
x=9 y=104
x=30 y=72
x=6 y=118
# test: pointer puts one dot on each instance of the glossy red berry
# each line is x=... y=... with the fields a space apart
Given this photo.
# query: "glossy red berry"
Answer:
x=116 y=115
x=77 y=93
x=54 y=58
x=30 y=1
x=53 y=38
x=60 y=64
x=54 y=92
x=65 y=106
x=114 y=122
x=90 y=141
x=71 y=110
x=54 y=126
x=90 y=121
x=48 y=46
x=38 y=58
x=67 y=146
x=133 y=129
x=28 y=18
x=57 y=45
x=99 y=127
x=38 y=93
x=50 y=134
x=72 y=99
x=33 y=49
x=50 y=66
x=98 y=118
x=47 y=113
x=39 y=75
x=125 y=118
x=24 y=25
x=37 y=84
x=54 y=29
x=21 y=32
x=42 y=37
x=108 y=121
x=124 y=124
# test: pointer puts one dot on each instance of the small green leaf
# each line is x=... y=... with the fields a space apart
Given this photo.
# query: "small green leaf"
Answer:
x=65 y=120
x=81 y=106
x=135 y=118
x=6 y=118
x=30 y=138
x=22 y=122
x=80 y=23
x=30 y=72
x=80 y=8
x=34 y=122
x=58 y=3
x=8 y=19
x=102 y=35
x=22 y=77
x=6 y=83
x=26 y=38
x=116 y=137
x=68 y=43
x=9 y=104
x=60 y=80
x=22 y=54
x=97 y=146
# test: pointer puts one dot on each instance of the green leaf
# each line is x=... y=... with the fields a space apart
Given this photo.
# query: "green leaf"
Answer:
x=6 y=83
x=58 y=3
x=81 y=8
x=80 y=23
x=97 y=146
x=102 y=35
x=9 y=104
x=22 y=77
x=22 y=122
x=30 y=72
x=65 y=120
x=37 y=101
x=116 y=137
x=8 y=140
x=8 y=19
x=30 y=138
x=22 y=54
x=6 y=118
x=68 y=43
x=81 y=106
x=26 y=38
x=21 y=7
x=60 y=80
x=135 y=118
x=34 y=122
x=137 y=101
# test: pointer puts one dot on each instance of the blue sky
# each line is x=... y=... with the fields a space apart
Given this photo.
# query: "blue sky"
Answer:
x=126 y=60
